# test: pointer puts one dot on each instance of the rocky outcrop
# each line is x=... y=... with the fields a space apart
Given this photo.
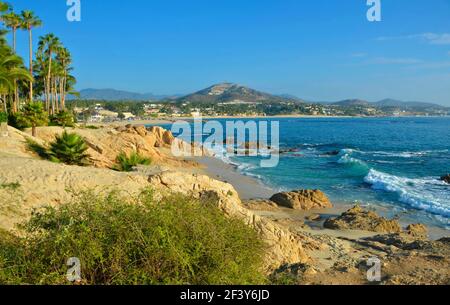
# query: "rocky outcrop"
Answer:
x=284 y=246
x=446 y=178
x=360 y=219
x=302 y=200
x=417 y=230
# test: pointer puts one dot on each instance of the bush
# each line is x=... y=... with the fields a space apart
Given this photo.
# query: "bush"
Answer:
x=63 y=118
x=127 y=163
x=69 y=148
x=33 y=115
x=140 y=240
x=3 y=117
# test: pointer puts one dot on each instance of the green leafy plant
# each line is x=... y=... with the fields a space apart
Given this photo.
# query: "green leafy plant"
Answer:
x=126 y=163
x=3 y=117
x=38 y=149
x=133 y=240
x=63 y=118
x=33 y=115
x=69 y=148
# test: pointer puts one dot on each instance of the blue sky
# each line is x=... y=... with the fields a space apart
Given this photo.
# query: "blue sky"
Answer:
x=318 y=50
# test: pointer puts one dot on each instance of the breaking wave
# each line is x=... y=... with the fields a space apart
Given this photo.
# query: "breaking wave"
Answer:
x=428 y=194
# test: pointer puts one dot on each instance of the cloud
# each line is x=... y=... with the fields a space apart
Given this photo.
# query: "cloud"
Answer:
x=431 y=38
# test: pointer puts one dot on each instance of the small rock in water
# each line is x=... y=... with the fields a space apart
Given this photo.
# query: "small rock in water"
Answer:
x=446 y=178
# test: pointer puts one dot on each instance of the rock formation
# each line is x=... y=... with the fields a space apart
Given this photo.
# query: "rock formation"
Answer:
x=302 y=200
x=360 y=219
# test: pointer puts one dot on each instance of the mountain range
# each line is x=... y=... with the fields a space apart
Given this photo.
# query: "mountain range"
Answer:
x=119 y=95
x=234 y=93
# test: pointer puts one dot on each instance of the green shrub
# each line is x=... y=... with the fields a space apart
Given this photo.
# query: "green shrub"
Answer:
x=33 y=115
x=69 y=148
x=63 y=118
x=127 y=163
x=137 y=240
x=3 y=117
x=38 y=149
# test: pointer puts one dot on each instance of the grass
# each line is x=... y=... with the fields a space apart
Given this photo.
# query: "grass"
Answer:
x=133 y=240
x=10 y=186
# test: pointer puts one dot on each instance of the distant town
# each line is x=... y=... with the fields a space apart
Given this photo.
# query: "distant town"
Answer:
x=231 y=100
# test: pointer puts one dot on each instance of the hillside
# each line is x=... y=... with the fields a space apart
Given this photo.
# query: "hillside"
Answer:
x=352 y=102
x=119 y=95
x=234 y=93
x=401 y=104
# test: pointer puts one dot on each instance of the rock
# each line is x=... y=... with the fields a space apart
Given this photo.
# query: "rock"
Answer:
x=417 y=230
x=332 y=153
x=446 y=178
x=360 y=219
x=302 y=200
x=141 y=130
x=314 y=217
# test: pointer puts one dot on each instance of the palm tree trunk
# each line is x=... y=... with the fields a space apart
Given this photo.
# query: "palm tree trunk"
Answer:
x=30 y=40
x=49 y=74
x=16 y=89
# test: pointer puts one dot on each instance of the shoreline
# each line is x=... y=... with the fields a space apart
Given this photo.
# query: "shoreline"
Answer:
x=251 y=188
x=171 y=120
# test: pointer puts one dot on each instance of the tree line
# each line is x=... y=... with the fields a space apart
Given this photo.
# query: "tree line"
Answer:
x=32 y=95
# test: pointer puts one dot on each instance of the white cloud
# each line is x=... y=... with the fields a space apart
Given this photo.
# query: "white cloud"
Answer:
x=431 y=38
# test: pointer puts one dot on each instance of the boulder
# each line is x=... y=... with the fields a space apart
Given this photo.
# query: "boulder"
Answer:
x=302 y=200
x=446 y=178
x=417 y=230
x=359 y=219
x=141 y=130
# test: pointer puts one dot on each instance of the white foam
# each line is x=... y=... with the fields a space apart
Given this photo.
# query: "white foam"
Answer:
x=427 y=194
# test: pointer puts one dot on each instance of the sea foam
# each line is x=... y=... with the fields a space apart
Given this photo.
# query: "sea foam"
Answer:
x=428 y=194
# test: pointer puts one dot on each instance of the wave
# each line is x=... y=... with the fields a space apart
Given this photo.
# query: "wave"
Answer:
x=428 y=194
x=406 y=154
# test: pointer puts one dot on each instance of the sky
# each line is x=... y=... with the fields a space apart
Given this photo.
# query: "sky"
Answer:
x=318 y=50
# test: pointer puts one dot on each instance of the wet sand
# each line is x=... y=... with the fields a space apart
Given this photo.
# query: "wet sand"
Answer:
x=247 y=187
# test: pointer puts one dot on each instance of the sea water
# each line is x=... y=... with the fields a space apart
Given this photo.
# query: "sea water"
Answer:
x=394 y=163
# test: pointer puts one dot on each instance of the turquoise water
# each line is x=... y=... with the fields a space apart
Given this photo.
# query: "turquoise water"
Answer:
x=390 y=162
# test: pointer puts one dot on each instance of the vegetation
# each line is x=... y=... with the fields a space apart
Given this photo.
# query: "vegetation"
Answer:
x=63 y=118
x=126 y=163
x=33 y=115
x=69 y=148
x=10 y=186
x=38 y=149
x=3 y=117
x=48 y=74
x=176 y=240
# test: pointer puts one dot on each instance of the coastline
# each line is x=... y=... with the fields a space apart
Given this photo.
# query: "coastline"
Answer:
x=251 y=189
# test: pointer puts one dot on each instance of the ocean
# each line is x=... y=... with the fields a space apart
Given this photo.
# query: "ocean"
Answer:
x=389 y=163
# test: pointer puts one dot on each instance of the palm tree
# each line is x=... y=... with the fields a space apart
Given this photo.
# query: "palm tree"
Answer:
x=13 y=21
x=30 y=21
x=11 y=70
x=48 y=44
x=4 y=7
x=64 y=60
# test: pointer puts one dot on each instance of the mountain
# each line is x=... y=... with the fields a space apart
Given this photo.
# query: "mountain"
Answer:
x=234 y=93
x=352 y=102
x=118 y=95
x=411 y=105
